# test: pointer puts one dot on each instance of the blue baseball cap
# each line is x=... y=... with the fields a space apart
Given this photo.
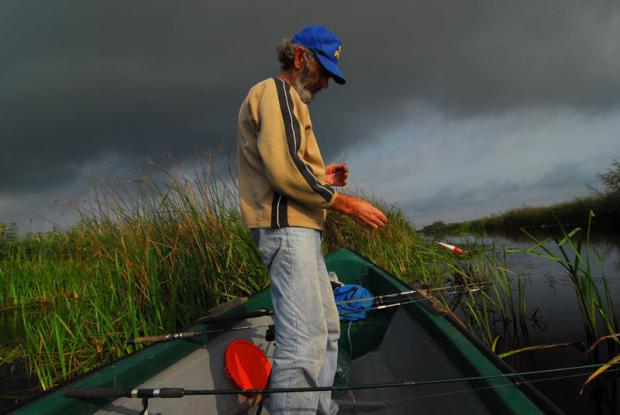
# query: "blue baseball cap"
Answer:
x=325 y=45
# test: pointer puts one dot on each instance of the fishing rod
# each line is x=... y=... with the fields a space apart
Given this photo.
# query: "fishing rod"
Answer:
x=410 y=292
x=266 y=312
x=93 y=393
x=383 y=306
x=258 y=313
x=188 y=334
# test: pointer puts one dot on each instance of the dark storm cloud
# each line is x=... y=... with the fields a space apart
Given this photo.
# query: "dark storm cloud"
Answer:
x=81 y=80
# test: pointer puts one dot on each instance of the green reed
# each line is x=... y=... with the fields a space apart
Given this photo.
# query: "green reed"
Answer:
x=577 y=257
x=492 y=307
x=149 y=259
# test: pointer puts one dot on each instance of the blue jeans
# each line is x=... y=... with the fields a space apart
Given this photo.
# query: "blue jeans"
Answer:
x=305 y=317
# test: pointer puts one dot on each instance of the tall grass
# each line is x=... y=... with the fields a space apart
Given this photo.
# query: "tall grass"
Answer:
x=136 y=263
x=492 y=309
x=397 y=247
x=577 y=257
x=152 y=257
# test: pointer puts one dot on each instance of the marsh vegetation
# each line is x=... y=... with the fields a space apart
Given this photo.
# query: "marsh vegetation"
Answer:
x=151 y=259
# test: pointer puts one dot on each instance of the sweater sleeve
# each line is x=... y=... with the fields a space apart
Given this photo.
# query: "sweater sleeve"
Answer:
x=279 y=139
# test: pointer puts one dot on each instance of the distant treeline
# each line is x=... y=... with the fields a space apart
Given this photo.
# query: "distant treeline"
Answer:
x=604 y=205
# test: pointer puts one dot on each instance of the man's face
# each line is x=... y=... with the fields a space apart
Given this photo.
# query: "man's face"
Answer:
x=311 y=79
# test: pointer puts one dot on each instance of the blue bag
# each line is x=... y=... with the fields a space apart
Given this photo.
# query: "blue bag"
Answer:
x=356 y=310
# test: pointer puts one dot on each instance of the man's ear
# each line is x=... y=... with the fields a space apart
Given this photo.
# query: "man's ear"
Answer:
x=299 y=58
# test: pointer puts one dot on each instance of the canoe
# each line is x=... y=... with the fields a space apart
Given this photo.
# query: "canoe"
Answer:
x=447 y=368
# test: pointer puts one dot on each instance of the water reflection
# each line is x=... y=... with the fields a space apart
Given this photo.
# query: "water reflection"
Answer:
x=554 y=316
x=16 y=382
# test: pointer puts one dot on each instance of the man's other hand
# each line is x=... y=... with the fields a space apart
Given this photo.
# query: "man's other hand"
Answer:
x=336 y=174
x=360 y=210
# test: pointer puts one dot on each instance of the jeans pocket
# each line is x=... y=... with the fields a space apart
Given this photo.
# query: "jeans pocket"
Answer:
x=269 y=242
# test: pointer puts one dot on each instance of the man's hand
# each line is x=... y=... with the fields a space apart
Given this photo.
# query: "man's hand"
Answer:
x=336 y=174
x=360 y=210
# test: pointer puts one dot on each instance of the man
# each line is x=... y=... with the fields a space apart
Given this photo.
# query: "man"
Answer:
x=285 y=190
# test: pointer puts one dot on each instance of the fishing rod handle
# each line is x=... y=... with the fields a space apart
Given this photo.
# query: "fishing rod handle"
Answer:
x=252 y=314
x=98 y=393
x=159 y=339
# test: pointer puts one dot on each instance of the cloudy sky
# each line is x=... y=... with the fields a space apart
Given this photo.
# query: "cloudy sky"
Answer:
x=452 y=109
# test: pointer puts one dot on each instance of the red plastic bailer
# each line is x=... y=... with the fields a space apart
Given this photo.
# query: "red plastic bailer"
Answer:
x=247 y=365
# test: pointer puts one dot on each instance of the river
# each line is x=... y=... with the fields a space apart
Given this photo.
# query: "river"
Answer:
x=555 y=317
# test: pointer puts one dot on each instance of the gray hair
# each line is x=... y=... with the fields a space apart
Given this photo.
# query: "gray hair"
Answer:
x=286 y=54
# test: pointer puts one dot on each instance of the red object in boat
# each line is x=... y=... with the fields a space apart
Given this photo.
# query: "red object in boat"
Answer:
x=247 y=365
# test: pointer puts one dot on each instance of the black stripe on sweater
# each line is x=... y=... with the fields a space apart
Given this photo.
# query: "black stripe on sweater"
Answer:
x=279 y=211
x=283 y=212
x=293 y=140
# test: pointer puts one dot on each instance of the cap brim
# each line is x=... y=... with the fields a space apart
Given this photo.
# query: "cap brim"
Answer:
x=332 y=68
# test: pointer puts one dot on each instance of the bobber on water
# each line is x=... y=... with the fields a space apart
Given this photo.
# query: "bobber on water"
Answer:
x=454 y=249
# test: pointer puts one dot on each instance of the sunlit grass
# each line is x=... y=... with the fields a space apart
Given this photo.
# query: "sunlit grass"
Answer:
x=152 y=258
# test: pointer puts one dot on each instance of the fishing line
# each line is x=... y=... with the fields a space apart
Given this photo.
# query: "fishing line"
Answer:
x=414 y=383
x=350 y=341
x=481 y=388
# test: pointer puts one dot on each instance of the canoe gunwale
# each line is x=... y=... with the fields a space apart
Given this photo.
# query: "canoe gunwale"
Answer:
x=533 y=393
x=141 y=354
x=543 y=402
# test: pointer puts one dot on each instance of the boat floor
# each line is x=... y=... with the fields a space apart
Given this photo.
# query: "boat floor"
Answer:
x=407 y=352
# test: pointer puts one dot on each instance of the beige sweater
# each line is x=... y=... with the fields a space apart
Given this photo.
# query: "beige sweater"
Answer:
x=281 y=171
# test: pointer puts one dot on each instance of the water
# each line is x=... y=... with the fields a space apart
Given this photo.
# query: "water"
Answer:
x=16 y=384
x=554 y=317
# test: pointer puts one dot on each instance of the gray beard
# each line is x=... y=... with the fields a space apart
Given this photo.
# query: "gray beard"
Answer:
x=300 y=86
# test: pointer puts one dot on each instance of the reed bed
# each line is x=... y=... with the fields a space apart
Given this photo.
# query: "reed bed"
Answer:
x=491 y=310
x=574 y=254
x=152 y=257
